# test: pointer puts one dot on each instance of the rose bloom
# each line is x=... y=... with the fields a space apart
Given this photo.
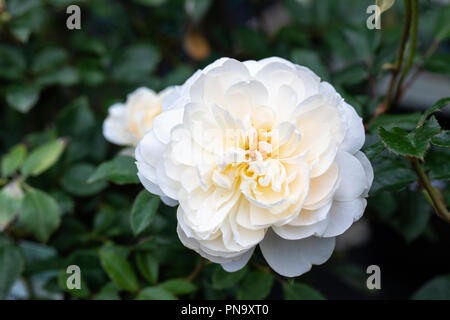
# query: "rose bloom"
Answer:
x=258 y=153
x=127 y=123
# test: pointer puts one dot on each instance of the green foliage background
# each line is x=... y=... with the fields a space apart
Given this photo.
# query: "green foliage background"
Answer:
x=67 y=198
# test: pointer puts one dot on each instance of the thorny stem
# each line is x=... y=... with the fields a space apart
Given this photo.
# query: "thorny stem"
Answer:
x=434 y=193
x=400 y=55
x=412 y=49
x=411 y=25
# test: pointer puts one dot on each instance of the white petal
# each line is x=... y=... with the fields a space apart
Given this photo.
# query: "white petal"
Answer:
x=239 y=263
x=368 y=169
x=115 y=126
x=292 y=258
x=354 y=136
x=352 y=177
x=342 y=215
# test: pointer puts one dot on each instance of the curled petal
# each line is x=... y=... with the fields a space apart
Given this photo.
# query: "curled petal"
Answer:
x=292 y=258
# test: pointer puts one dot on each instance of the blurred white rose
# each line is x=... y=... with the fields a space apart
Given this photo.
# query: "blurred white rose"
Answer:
x=127 y=123
x=258 y=152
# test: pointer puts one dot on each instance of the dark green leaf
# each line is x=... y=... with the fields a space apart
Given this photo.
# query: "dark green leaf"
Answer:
x=178 y=286
x=40 y=214
x=155 y=293
x=136 y=63
x=11 y=266
x=120 y=170
x=118 y=268
x=351 y=75
x=300 y=291
x=75 y=180
x=374 y=149
x=12 y=63
x=412 y=218
x=222 y=279
x=65 y=76
x=415 y=143
x=108 y=292
x=48 y=59
x=19 y=7
x=391 y=173
x=22 y=98
x=442 y=139
x=434 y=108
x=148 y=266
x=438 y=162
x=438 y=63
x=388 y=121
x=255 y=286
x=143 y=211
x=435 y=289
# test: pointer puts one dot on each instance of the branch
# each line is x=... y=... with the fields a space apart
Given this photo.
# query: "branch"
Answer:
x=435 y=195
x=400 y=55
x=412 y=49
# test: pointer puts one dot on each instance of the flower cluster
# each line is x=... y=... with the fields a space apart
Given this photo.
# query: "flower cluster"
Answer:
x=253 y=153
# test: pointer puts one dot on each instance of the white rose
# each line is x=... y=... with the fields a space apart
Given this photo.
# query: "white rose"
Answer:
x=127 y=123
x=258 y=152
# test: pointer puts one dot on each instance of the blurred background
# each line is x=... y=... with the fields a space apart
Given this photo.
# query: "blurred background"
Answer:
x=59 y=83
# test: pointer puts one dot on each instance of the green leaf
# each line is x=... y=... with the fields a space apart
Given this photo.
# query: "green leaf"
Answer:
x=10 y=202
x=411 y=220
x=13 y=159
x=22 y=98
x=197 y=8
x=415 y=143
x=442 y=28
x=48 y=59
x=374 y=149
x=40 y=214
x=75 y=180
x=434 y=108
x=253 y=42
x=43 y=157
x=19 y=7
x=148 y=266
x=388 y=121
x=143 y=211
x=222 y=279
x=391 y=173
x=300 y=291
x=108 y=292
x=118 y=268
x=442 y=139
x=151 y=3
x=155 y=293
x=255 y=286
x=438 y=63
x=438 y=163
x=178 y=286
x=64 y=76
x=136 y=63
x=11 y=266
x=351 y=75
x=12 y=63
x=120 y=170
x=435 y=289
